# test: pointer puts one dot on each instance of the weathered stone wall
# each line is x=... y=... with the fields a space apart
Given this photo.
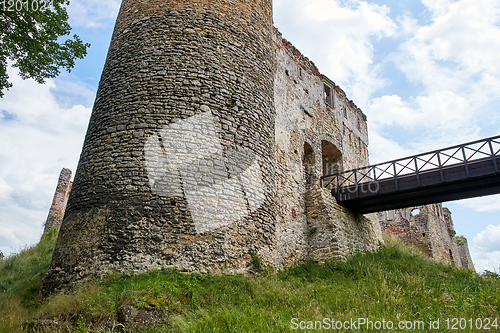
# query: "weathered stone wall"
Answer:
x=177 y=168
x=312 y=138
x=334 y=231
x=463 y=250
x=429 y=228
x=58 y=207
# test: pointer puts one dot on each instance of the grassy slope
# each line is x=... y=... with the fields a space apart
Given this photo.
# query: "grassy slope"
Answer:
x=391 y=284
x=20 y=281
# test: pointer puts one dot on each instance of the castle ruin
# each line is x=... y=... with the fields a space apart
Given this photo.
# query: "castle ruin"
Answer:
x=59 y=202
x=206 y=143
x=430 y=229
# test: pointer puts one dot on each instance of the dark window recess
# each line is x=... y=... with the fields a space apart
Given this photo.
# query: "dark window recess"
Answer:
x=308 y=163
x=329 y=95
x=345 y=111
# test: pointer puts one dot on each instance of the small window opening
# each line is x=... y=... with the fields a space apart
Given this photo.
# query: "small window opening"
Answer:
x=328 y=92
x=300 y=71
x=359 y=126
x=345 y=111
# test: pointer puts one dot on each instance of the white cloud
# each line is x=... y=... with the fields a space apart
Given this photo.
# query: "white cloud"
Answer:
x=488 y=239
x=383 y=149
x=37 y=140
x=388 y=110
x=486 y=260
x=463 y=39
x=485 y=249
x=339 y=37
x=452 y=64
x=454 y=59
x=483 y=204
x=93 y=13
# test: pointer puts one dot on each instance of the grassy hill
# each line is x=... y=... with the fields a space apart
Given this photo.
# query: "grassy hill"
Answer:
x=392 y=285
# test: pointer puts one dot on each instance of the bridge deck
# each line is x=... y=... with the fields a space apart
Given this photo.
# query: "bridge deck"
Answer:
x=459 y=172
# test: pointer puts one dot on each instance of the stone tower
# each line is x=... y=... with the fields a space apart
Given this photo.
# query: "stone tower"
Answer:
x=178 y=161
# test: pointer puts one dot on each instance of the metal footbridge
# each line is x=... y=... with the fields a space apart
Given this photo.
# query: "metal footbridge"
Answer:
x=459 y=172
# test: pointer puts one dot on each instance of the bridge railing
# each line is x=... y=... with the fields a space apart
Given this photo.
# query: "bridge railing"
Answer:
x=368 y=178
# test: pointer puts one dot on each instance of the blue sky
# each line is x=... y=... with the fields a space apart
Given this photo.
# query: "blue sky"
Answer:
x=426 y=73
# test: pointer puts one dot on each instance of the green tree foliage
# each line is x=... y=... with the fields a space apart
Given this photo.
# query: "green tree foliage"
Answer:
x=30 y=37
x=1 y=255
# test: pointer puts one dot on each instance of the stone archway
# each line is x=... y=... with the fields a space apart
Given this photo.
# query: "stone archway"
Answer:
x=332 y=158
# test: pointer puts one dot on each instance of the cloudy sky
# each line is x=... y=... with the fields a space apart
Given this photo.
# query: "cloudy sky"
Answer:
x=426 y=73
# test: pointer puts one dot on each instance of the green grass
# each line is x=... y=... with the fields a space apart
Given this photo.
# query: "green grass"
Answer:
x=20 y=281
x=392 y=284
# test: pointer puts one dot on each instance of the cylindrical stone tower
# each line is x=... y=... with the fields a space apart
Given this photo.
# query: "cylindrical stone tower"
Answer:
x=177 y=165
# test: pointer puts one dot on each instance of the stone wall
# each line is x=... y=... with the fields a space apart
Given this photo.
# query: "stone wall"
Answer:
x=463 y=251
x=430 y=229
x=334 y=231
x=58 y=207
x=313 y=138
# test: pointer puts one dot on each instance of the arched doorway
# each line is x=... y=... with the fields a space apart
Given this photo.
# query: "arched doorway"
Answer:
x=332 y=158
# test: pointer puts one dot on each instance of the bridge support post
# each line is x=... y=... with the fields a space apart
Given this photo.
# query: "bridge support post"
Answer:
x=416 y=172
x=440 y=168
x=467 y=172
x=395 y=176
x=495 y=165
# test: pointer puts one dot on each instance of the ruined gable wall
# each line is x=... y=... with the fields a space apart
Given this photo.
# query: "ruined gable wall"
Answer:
x=302 y=115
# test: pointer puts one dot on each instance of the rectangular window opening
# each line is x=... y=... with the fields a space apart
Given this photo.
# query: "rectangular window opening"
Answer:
x=328 y=95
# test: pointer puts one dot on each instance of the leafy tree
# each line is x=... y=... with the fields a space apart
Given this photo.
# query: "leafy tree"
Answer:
x=30 y=32
x=1 y=255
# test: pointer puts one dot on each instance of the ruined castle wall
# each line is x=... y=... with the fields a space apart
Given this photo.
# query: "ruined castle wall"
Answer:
x=443 y=235
x=334 y=231
x=58 y=207
x=429 y=228
x=177 y=168
x=308 y=132
x=395 y=224
x=463 y=250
